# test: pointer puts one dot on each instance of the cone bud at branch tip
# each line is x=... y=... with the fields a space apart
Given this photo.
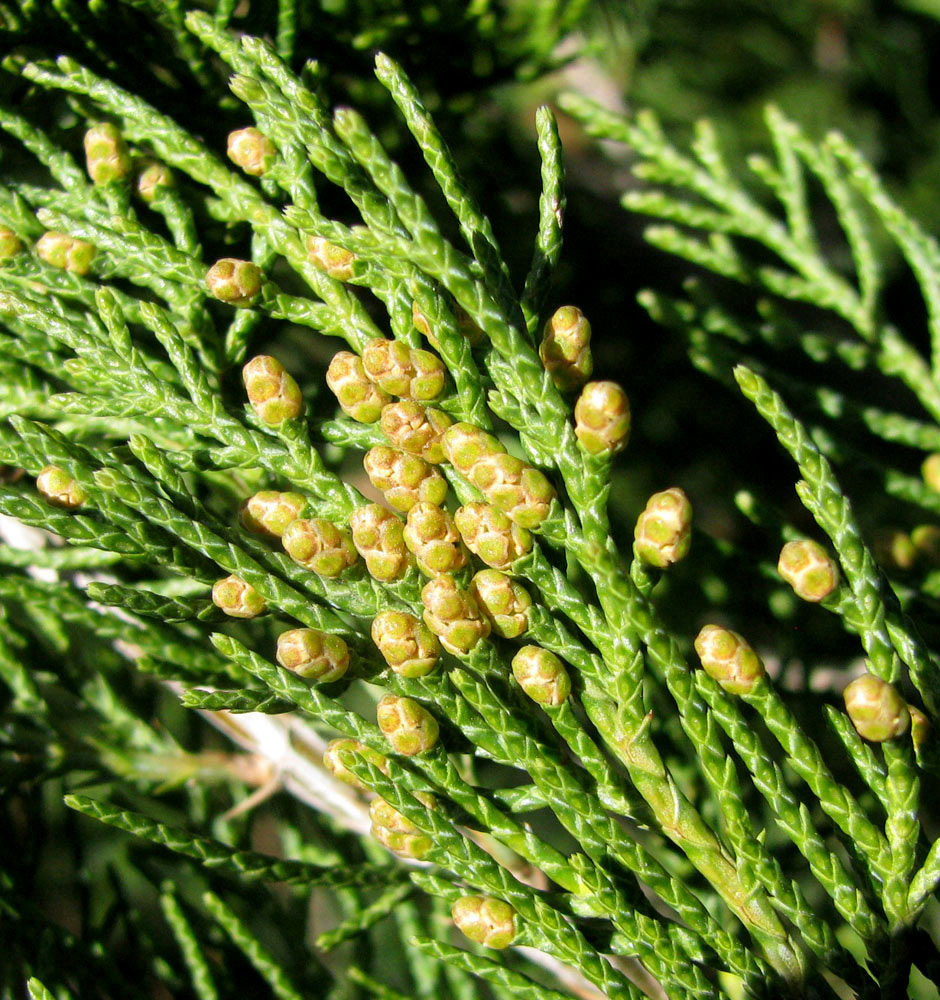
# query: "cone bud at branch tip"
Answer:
x=491 y=536
x=490 y=922
x=876 y=709
x=602 y=418
x=505 y=602
x=152 y=178
x=926 y=541
x=396 y=832
x=379 y=538
x=541 y=675
x=894 y=549
x=10 y=244
x=727 y=657
x=251 y=150
x=920 y=726
x=272 y=391
x=404 y=479
x=359 y=397
x=430 y=533
x=401 y=371
x=332 y=760
x=59 y=488
x=809 y=570
x=408 y=726
x=663 y=531
x=313 y=655
x=106 y=154
x=523 y=493
x=65 y=252
x=465 y=444
x=565 y=349
x=453 y=615
x=270 y=512
x=416 y=429
x=237 y=282
x=237 y=598
x=333 y=260
x=318 y=545
x=930 y=469
x=407 y=645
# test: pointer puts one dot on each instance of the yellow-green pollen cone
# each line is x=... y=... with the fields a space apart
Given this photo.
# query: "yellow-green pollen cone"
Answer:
x=602 y=418
x=237 y=598
x=65 y=252
x=728 y=658
x=414 y=428
x=663 y=531
x=876 y=709
x=251 y=150
x=10 y=244
x=269 y=512
x=153 y=177
x=453 y=615
x=407 y=645
x=505 y=602
x=523 y=493
x=396 y=832
x=565 y=349
x=330 y=258
x=312 y=654
x=404 y=479
x=236 y=282
x=333 y=762
x=409 y=728
x=59 y=488
x=490 y=922
x=272 y=391
x=106 y=155
x=491 y=536
x=809 y=570
x=379 y=538
x=402 y=371
x=433 y=538
x=541 y=675
x=355 y=392
x=320 y=546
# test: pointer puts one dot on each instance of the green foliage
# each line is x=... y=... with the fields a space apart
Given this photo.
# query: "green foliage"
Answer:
x=647 y=825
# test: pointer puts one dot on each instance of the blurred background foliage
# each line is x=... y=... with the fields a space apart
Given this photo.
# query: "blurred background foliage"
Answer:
x=869 y=69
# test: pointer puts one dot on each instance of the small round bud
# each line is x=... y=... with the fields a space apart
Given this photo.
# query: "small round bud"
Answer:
x=416 y=429
x=430 y=533
x=319 y=546
x=465 y=444
x=234 y=281
x=251 y=150
x=237 y=598
x=524 y=494
x=930 y=470
x=335 y=261
x=408 y=646
x=541 y=675
x=332 y=760
x=894 y=549
x=272 y=392
x=565 y=349
x=379 y=538
x=269 y=512
x=809 y=570
x=504 y=602
x=59 y=488
x=404 y=479
x=926 y=541
x=401 y=371
x=106 y=154
x=359 y=397
x=152 y=178
x=491 y=536
x=397 y=833
x=408 y=727
x=602 y=418
x=488 y=921
x=876 y=709
x=728 y=658
x=453 y=615
x=10 y=243
x=65 y=252
x=313 y=655
x=663 y=531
